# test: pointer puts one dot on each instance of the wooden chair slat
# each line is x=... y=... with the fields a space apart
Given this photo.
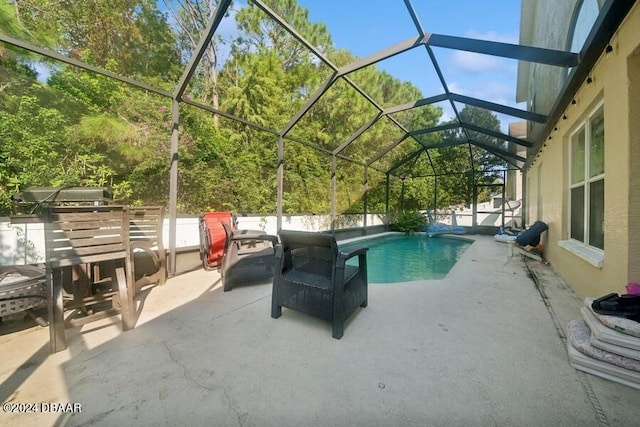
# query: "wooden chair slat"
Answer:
x=88 y=236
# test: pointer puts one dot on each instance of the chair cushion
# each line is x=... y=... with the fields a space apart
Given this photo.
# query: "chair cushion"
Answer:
x=310 y=275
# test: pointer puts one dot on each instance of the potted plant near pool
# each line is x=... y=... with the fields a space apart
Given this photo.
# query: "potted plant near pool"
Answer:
x=409 y=222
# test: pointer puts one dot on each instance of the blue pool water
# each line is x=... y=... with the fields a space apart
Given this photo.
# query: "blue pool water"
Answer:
x=405 y=258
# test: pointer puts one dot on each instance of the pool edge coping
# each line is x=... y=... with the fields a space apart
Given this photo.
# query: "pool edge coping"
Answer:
x=469 y=239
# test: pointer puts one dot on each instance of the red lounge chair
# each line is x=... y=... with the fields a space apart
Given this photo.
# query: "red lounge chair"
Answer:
x=212 y=238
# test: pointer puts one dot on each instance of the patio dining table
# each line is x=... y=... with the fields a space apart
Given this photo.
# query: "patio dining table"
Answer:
x=89 y=270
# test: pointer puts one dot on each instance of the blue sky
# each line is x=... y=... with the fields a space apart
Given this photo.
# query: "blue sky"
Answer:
x=365 y=27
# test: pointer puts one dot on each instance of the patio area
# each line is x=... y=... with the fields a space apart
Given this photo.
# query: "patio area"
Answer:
x=485 y=346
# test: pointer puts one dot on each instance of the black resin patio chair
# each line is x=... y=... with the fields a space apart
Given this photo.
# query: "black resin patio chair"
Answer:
x=248 y=256
x=312 y=276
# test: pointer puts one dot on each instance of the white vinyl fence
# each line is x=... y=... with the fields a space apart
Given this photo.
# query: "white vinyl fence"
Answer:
x=24 y=243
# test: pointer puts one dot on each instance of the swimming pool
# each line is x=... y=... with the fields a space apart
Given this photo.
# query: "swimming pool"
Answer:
x=405 y=258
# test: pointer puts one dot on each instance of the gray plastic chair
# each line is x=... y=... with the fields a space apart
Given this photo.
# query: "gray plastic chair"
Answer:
x=248 y=256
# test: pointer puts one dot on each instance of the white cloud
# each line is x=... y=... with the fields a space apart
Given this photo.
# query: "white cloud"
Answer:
x=475 y=62
x=495 y=91
x=484 y=77
x=455 y=87
x=493 y=36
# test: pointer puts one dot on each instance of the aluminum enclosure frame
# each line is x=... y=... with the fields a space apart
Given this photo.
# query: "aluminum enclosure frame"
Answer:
x=611 y=15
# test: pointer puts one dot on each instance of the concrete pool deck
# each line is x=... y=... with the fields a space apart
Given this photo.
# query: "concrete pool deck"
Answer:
x=483 y=347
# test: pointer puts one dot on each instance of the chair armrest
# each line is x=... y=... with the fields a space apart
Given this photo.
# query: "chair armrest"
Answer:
x=248 y=232
x=278 y=263
x=252 y=237
x=357 y=251
x=279 y=250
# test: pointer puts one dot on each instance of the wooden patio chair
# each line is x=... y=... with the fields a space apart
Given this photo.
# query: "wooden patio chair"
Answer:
x=312 y=276
x=88 y=264
x=147 y=248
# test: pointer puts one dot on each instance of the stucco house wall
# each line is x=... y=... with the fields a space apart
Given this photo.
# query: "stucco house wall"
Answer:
x=614 y=81
x=544 y=25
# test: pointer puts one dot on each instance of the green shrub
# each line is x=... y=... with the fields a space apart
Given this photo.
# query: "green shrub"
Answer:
x=409 y=221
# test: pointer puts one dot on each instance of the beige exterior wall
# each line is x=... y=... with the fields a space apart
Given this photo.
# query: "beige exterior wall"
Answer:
x=513 y=185
x=634 y=162
x=611 y=83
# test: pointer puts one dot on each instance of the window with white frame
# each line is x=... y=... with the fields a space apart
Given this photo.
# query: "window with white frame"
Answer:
x=586 y=207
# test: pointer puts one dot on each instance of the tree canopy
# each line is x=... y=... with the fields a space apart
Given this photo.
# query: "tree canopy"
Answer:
x=62 y=126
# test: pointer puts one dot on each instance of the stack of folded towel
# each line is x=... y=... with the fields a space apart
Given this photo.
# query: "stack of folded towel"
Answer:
x=606 y=345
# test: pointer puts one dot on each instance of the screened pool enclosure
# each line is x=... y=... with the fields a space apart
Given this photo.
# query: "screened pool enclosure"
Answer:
x=222 y=105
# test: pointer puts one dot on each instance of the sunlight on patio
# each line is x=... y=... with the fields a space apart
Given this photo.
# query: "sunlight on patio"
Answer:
x=476 y=348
